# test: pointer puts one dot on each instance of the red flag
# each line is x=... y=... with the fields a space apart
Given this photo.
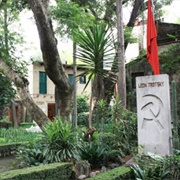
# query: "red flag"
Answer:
x=152 y=49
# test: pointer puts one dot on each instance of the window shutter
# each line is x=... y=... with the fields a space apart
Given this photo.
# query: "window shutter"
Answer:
x=42 y=83
x=71 y=78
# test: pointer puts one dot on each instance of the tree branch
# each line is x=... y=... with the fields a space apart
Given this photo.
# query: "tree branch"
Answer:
x=135 y=12
x=52 y=62
x=22 y=88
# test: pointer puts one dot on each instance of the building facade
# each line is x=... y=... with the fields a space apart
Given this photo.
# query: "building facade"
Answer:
x=42 y=88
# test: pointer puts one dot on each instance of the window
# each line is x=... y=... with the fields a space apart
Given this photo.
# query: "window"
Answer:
x=82 y=79
x=71 y=78
x=42 y=83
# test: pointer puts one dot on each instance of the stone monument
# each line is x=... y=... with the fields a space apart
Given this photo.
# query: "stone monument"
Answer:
x=154 y=115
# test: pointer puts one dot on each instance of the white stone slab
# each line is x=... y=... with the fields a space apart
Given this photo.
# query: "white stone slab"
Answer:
x=154 y=116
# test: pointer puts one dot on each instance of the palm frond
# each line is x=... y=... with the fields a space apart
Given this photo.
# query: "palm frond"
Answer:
x=95 y=47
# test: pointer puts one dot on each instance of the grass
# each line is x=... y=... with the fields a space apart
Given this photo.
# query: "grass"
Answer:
x=14 y=135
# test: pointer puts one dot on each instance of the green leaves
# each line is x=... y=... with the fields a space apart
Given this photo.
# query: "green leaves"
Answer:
x=7 y=92
x=59 y=142
x=9 y=38
x=92 y=152
x=95 y=47
x=169 y=60
x=70 y=17
x=31 y=154
x=82 y=105
x=13 y=135
x=156 y=172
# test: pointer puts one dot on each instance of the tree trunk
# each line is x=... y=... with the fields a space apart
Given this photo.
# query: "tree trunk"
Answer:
x=24 y=114
x=90 y=109
x=98 y=92
x=52 y=63
x=121 y=83
x=74 y=87
x=14 y=115
x=99 y=87
x=23 y=91
x=109 y=84
x=2 y=111
x=138 y=4
x=63 y=103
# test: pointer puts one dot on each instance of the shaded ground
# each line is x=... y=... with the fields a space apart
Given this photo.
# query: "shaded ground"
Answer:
x=7 y=163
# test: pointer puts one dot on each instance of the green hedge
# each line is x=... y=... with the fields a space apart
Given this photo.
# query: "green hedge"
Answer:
x=26 y=124
x=119 y=173
x=4 y=124
x=8 y=149
x=54 y=171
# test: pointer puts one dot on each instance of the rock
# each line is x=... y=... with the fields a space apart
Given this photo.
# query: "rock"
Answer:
x=113 y=165
x=129 y=163
x=103 y=169
x=82 y=176
x=82 y=167
x=97 y=172
x=92 y=174
x=34 y=129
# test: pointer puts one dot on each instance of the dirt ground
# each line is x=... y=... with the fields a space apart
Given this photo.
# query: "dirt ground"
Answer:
x=7 y=163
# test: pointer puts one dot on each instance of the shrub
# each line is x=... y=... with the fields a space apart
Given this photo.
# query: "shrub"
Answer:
x=101 y=115
x=82 y=105
x=120 y=173
x=93 y=153
x=156 y=172
x=8 y=149
x=82 y=110
x=108 y=139
x=30 y=154
x=59 y=142
x=120 y=122
x=126 y=132
x=83 y=119
x=155 y=167
x=5 y=123
x=60 y=171
x=172 y=163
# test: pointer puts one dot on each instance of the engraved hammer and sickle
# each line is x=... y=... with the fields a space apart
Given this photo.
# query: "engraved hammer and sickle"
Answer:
x=152 y=107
